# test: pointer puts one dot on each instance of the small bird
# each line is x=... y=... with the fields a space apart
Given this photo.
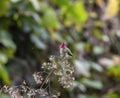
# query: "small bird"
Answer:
x=64 y=51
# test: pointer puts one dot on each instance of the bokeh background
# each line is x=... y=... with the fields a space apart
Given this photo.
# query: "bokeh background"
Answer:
x=32 y=30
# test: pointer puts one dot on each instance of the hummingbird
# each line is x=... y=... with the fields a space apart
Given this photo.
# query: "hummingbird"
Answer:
x=65 y=51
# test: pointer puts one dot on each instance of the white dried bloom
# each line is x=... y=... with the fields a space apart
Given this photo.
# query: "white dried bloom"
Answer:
x=51 y=58
x=42 y=92
x=14 y=93
x=38 y=77
x=44 y=65
x=66 y=81
x=31 y=93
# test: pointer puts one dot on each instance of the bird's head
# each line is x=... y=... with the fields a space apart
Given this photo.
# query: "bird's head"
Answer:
x=62 y=46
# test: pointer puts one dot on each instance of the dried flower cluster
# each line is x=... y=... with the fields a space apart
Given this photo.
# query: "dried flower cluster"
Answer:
x=14 y=92
x=61 y=68
x=64 y=74
x=57 y=66
x=18 y=91
x=38 y=77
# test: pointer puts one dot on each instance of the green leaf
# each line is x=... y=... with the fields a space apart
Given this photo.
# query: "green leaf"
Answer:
x=80 y=15
x=114 y=71
x=97 y=34
x=93 y=83
x=41 y=32
x=111 y=95
x=79 y=85
x=8 y=52
x=4 y=75
x=60 y=2
x=38 y=43
x=96 y=67
x=50 y=20
x=74 y=13
x=6 y=39
x=44 y=7
x=56 y=36
x=98 y=50
x=3 y=58
x=3 y=7
x=87 y=96
x=36 y=4
x=15 y=1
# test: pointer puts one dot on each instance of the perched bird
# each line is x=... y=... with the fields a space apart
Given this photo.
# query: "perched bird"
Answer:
x=64 y=51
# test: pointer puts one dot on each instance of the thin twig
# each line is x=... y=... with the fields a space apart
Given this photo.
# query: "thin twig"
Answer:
x=46 y=78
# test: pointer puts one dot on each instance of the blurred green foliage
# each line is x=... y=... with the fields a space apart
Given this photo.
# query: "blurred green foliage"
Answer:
x=30 y=31
x=6 y=52
x=114 y=71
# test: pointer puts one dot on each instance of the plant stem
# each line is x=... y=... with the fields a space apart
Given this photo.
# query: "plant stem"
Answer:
x=46 y=78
